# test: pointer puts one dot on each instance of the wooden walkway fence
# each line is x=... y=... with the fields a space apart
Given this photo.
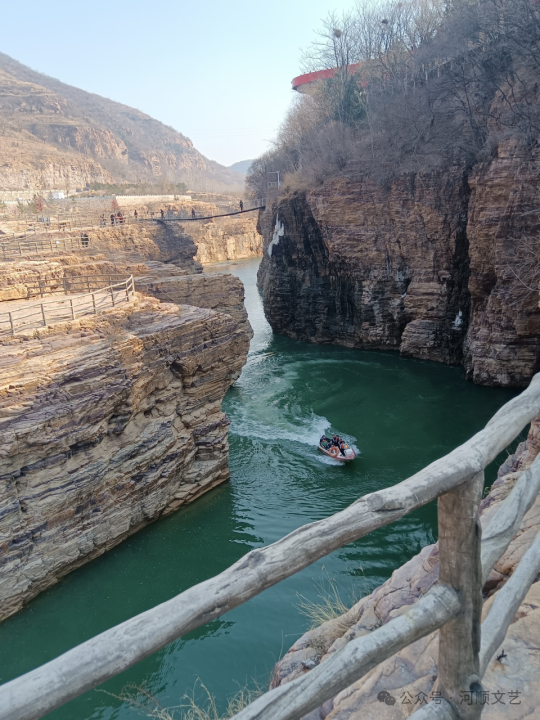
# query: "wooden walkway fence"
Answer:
x=95 y=300
x=453 y=605
x=69 y=285
x=18 y=247
x=41 y=225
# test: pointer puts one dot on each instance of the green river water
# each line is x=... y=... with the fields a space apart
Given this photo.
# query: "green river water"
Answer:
x=401 y=414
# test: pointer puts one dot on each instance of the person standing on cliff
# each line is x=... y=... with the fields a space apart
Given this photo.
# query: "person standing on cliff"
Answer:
x=241 y=206
x=113 y=219
x=136 y=215
x=192 y=212
x=162 y=214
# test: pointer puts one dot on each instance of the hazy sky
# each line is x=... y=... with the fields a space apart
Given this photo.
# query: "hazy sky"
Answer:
x=219 y=72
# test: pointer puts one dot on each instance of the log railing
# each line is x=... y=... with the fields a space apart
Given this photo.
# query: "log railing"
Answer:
x=68 y=285
x=17 y=247
x=453 y=605
x=69 y=308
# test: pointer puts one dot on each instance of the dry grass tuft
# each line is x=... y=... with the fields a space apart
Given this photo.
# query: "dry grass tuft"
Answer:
x=140 y=700
x=329 y=606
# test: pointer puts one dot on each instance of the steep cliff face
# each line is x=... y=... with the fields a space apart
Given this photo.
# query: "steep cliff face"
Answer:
x=225 y=239
x=107 y=423
x=503 y=341
x=428 y=266
x=370 y=268
x=168 y=243
x=222 y=293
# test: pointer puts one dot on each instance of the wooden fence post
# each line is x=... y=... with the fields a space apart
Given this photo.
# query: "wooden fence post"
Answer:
x=460 y=568
x=43 y=315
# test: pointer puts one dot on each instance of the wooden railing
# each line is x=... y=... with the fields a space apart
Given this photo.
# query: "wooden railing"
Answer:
x=453 y=604
x=69 y=308
x=45 y=225
x=69 y=285
x=17 y=247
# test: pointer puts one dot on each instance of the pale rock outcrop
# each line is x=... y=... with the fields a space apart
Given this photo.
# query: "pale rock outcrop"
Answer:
x=107 y=423
x=223 y=293
x=147 y=241
x=228 y=238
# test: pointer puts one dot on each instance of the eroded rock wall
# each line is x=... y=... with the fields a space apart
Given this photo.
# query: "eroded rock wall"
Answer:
x=223 y=293
x=429 y=266
x=223 y=239
x=107 y=423
x=361 y=266
x=147 y=241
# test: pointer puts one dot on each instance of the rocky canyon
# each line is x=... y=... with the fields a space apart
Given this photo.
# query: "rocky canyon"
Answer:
x=428 y=266
x=113 y=420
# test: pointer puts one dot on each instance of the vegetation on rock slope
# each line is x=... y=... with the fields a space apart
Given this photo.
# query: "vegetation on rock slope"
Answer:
x=44 y=121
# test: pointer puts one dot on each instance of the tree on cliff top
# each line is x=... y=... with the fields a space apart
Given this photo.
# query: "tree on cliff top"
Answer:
x=418 y=85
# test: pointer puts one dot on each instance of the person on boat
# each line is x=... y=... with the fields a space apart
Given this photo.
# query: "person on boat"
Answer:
x=324 y=442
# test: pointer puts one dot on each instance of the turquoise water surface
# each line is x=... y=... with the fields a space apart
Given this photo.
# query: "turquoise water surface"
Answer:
x=401 y=414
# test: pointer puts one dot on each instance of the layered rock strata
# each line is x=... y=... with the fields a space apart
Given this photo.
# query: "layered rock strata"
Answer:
x=147 y=241
x=412 y=673
x=107 y=422
x=21 y=280
x=223 y=239
x=429 y=265
x=223 y=293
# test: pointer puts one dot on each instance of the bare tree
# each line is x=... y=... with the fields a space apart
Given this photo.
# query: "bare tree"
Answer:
x=415 y=84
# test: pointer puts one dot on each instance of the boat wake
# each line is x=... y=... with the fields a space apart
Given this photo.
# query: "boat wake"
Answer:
x=325 y=460
x=306 y=431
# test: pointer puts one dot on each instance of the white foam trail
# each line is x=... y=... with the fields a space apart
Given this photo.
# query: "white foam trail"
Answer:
x=307 y=431
x=325 y=460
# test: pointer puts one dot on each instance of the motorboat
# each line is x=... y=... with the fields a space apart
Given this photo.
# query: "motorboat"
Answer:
x=336 y=454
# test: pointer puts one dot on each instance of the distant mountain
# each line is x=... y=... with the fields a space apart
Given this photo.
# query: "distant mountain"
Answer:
x=241 y=167
x=53 y=135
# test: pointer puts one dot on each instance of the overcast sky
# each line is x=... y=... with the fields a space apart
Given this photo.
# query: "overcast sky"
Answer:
x=219 y=72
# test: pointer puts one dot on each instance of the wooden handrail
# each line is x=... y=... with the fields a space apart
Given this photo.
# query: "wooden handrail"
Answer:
x=19 y=246
x=500 y=531
x=507 y=602
x=304 y=694
x=39 y=309
x=52 y=285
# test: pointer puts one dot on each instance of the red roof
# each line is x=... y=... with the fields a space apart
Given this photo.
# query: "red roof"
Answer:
x=317 y=75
